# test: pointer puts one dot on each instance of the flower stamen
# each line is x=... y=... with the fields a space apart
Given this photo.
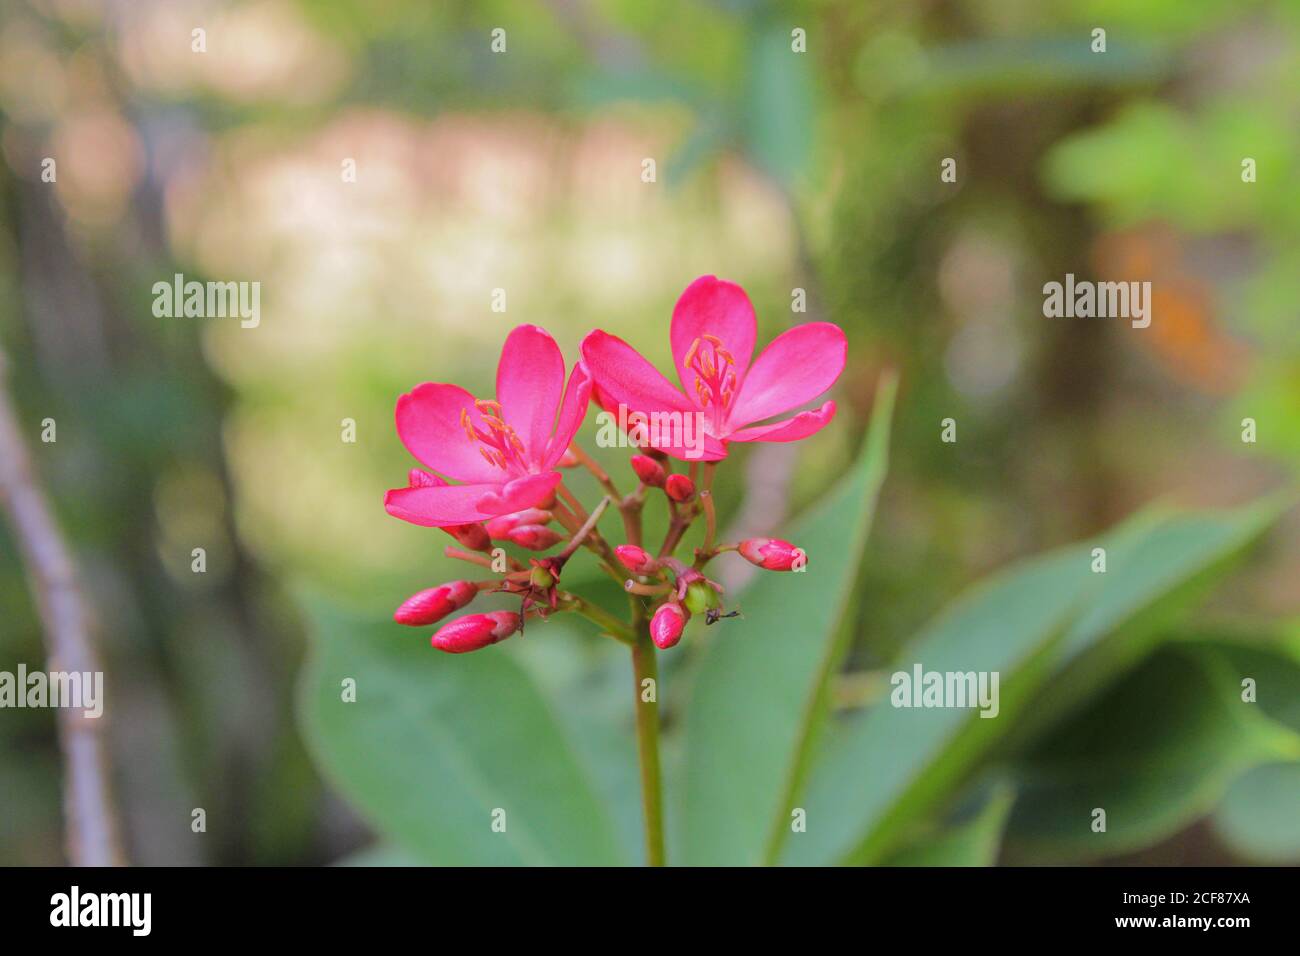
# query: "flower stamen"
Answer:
x=715 y=372
x=498 y=443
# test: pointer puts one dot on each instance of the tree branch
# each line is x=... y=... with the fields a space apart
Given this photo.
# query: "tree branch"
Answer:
x=92 y=838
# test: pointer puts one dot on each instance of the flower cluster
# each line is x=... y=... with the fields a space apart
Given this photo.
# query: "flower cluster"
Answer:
x=496 y=466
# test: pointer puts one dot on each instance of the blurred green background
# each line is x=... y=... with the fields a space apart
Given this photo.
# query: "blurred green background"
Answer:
x=523 y=171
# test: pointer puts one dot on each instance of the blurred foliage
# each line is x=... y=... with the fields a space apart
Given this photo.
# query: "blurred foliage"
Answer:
x=779 y=170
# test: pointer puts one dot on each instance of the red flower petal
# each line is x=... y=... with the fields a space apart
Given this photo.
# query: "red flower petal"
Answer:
x=429 y=425
x=712 y=306
x=530 y=382
x=529 y=491
x=799 y=365
x=439 y=507
x=791 y=429
x=572 y=412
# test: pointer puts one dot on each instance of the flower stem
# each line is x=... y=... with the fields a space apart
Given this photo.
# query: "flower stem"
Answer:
x=481 y=560
x=608 y=622
x=629 y=505
x=646 y=590
x=680 y=519
x=706 y=500
x=587 y=526
x=646 y=668
x=600 y=474
x=591 y=540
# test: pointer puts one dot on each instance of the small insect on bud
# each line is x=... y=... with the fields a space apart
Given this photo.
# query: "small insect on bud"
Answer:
x=701 y=597
x=568 y=460
x=533 y=537
x=649 y=470
x=772 y=554
x=637 y=560
x=433 y=604
x=667 y=625
x=680 y=488
x=475 y=631
x=501 y=526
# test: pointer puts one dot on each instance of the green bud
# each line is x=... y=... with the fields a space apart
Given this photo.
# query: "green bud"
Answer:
x=700 y=597
x=541 y=579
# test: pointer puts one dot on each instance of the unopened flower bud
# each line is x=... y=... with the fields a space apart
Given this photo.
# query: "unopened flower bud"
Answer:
x=700 y=597
x=533 y=537
x=772 y=554
x=568 y=460
x=667 y=624
x=501 y=526
x=637 y=560
x=433 y=604
x=649 y=470
x=680 y=488
x=472 y=536
x=475 y=631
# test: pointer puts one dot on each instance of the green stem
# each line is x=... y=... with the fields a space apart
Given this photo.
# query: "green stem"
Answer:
x=607 y=622
x=645 y=667
x=706 y=501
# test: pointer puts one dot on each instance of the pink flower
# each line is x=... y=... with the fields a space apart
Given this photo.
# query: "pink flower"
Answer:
x=772 y=554
x=475 y=631
x=472 y=535
x=712 y=337
x=667 y=625
x=433 y=604
x=679 y=488
x=501 y=527
x=637 y=560
x=504 y=452
x=649 y=471
x=534 y=537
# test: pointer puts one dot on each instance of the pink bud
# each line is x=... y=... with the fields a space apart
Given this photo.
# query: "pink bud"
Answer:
x=772 y=553
x=649 y=470
x=567 y=460
x=475 y=631
x=472 y=536
x=680 y=488
x=637 y=560
x=533 y=537
x=501 y=526
x=667 y=625
x=433 y=604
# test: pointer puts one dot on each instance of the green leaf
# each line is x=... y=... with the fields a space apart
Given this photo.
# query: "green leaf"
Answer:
x=1053 y=630
x=1259 y=817
x=971 y=837
x=434 y=744
x=1155 y=753
x=759 y=694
